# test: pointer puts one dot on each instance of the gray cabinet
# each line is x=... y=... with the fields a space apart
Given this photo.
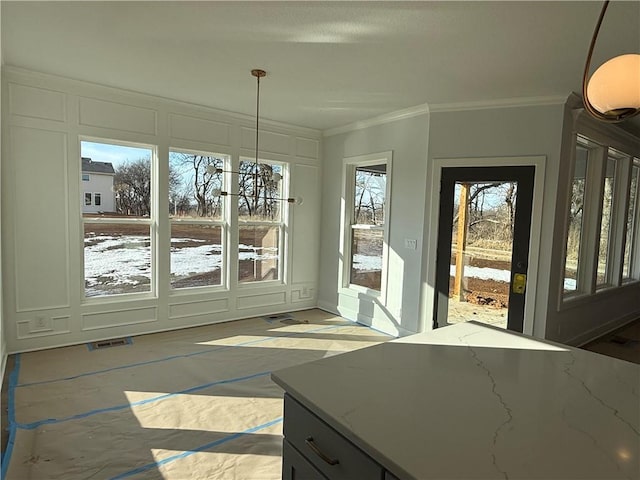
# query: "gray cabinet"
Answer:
x=323 y=450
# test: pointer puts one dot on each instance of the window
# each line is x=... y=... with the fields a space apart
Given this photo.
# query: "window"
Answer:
x=85 y=177
x=602 y=230
x=365 y=232
x=198 y=218
x=97 y=199
x=576 y=211
x=632 y=227
x=87 y=199
x=604 y=274
x=119 y=242
x=261 y=201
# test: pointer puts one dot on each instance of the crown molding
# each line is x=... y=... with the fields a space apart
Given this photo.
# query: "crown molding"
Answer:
x=499 y=103
x=421 y=109
x=427 y=108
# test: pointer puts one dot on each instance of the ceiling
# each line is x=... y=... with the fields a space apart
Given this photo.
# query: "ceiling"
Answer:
x=328 y=63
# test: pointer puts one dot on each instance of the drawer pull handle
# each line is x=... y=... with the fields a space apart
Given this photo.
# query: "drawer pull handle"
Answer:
x=311 y=444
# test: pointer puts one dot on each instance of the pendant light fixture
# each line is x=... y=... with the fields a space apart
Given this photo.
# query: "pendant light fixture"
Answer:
x=613 y=92
x=275 y=177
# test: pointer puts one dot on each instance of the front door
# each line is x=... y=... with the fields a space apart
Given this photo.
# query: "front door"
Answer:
x=483 y=245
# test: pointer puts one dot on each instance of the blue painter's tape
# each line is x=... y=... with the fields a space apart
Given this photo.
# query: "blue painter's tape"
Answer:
x=201 y=448
x=48 y=421
x=186 y=355
x=11 y=414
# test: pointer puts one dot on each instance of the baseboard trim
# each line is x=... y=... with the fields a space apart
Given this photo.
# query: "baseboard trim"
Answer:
x=595 y=333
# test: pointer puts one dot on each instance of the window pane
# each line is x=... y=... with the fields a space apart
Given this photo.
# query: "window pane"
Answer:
x=260 y=190
x=576 y=213
x=97 y=199
x=117 y=259
x=369 y=195
x=366 y=258
x=258 y=253
x=196 y=255
x=632 y=216
x=122 y=176
x=605 y=225
x=195 y=183
x=87 y=199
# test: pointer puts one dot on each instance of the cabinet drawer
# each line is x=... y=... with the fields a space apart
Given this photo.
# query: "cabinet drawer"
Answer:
x=296 y=467
x=322 y=446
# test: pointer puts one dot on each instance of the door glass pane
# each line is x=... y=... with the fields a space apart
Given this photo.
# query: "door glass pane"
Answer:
x=482 y=239
x=117 y=259
x=196 y=255
x=258 y=253
x=602 y=277
x=576 y=211
x=366 y=254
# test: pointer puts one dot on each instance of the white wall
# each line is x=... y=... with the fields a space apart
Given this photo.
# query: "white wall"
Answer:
x=508 y=133
x=504 y=135
x=407 y=139
x=42 y=245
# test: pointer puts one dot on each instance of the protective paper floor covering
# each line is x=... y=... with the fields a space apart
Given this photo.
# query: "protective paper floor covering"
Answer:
x=191 y=404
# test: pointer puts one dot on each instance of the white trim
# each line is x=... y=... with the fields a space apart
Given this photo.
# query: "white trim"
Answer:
x=422 y=109
x=427 y=108
x=81 y=84
x=430 y=233
x=498 y=103
x=349 y=165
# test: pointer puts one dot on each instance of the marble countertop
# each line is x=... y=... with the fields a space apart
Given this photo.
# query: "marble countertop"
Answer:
x=469 y=401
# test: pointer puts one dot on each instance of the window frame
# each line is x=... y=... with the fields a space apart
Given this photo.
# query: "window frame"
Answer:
x=282 y=223
x=97 y=199
x=151 y=223
x=602 y=146
x=223 y=223
x=347 y=226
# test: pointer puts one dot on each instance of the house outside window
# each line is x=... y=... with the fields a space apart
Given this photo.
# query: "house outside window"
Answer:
x=365 y=227
x=100 y=180
x=118 y=242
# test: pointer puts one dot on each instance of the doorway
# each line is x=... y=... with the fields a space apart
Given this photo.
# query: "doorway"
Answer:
x=483 y=245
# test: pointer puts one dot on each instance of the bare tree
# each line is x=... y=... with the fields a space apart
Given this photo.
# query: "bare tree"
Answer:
x=132 y=184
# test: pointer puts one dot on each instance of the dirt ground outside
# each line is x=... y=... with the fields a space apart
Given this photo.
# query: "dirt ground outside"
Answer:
x=184 y=237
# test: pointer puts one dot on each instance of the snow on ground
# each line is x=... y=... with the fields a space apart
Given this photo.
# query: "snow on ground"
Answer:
x=112 y=261
x=483 y=273
x=126 y=260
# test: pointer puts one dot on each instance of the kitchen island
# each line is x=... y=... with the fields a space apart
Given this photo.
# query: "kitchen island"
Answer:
x=467 y=401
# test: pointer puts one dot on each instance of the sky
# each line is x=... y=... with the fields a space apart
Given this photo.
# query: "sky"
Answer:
x=115 y=154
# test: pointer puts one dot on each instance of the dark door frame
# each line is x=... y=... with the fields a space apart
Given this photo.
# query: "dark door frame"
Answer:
x=525 y=176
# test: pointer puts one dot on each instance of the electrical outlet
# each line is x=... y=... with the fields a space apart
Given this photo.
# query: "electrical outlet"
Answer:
x=410 y=243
